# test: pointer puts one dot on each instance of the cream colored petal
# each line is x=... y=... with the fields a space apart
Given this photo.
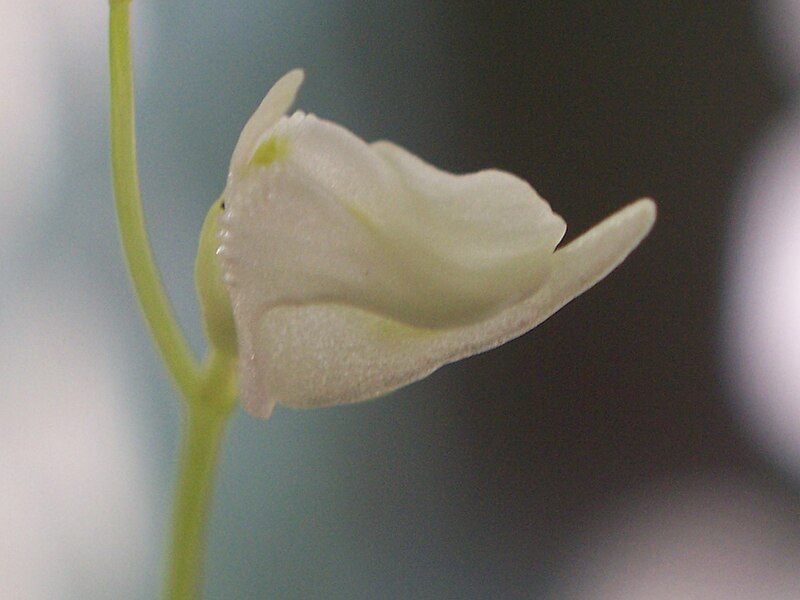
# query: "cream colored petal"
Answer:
x=274 y=105
x=496 y=207
x=325 y=354
x=576 y=267
x=331 y=219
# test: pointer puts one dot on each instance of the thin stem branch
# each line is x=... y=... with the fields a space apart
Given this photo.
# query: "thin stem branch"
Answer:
x=135 y=243
x=209 y=393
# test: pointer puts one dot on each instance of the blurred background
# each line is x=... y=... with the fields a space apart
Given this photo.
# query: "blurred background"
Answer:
x=643 y=443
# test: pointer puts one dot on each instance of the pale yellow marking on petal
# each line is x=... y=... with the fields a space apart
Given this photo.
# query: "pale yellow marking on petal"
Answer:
x=272 y=108
x=391 y=330
x=274 y=149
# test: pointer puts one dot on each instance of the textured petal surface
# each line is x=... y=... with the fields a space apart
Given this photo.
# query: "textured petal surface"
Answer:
x=325 y=354
x=354 y=269
x=332 y=220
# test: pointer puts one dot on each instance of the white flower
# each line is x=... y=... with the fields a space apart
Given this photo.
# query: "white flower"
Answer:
x=356 y=268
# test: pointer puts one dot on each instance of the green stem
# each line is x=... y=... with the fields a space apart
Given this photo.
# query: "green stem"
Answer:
x=209 y=393
x=204 y=429
x=202 y=438
x=135 y=243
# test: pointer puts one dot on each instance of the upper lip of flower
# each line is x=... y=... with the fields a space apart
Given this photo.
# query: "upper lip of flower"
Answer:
x=272 y=108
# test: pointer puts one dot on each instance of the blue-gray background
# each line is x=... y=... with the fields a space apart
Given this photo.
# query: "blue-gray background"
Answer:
x=513 y=474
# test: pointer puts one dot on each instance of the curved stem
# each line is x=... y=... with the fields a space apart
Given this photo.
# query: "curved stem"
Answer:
x=135 y=243
x=209 y=394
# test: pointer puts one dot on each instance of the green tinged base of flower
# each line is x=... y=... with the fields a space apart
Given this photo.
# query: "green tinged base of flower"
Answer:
x=215 y=303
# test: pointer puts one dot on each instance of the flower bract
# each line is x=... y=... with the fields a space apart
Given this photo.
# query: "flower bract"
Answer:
x=356 y=268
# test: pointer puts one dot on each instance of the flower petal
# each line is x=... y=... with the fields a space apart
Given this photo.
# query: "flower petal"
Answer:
x=475 y=199
x=577 y=267
x=327 y=218
x=274 y=105
x=326 y=354
x=354 y=269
